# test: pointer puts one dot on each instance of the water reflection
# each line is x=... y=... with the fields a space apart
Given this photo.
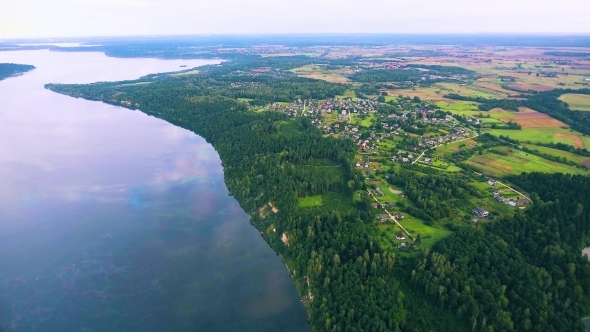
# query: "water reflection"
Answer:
x=111 y=220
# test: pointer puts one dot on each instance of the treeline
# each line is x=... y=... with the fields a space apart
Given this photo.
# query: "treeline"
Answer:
x=568 y=53
x=443 y=70
x=487 y=104
x=521 y=273
x=548 y=103
x=12 y=69
x=347 y=278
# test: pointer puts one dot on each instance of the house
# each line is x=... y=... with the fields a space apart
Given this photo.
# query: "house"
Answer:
x=389 y=205
x=496 y=191
x=511 y=203
x=492 y=182
x=383 y=218
x=400 y=236
x=500 y=199
x=405 y=160
x=399 y=215
x=379 y=191
x=481 y=213
x=375 y=205
x=402 y=245
x=428 y=160
x=522 y=202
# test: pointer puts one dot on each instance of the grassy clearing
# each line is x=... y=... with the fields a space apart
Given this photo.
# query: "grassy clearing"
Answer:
x=133 y=84
x=348 y=94
x=469 y=91
x=192 y=72
x=576 y=101
x=457 y=106
x=310 y=201
x=429 y=235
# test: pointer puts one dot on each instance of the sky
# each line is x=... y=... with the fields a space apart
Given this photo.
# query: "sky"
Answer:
x=87 y=18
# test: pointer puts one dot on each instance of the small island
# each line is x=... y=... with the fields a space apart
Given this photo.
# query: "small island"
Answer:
x=12 y=69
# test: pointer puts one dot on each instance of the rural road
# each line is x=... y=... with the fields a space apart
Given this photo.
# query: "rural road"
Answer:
x=392 y=217
x=438 y=146
x=510 y=188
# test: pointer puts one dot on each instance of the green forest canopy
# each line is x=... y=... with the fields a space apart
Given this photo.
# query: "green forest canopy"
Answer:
x=517 y=273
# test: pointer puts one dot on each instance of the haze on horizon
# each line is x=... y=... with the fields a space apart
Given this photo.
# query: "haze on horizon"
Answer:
x=85 y=18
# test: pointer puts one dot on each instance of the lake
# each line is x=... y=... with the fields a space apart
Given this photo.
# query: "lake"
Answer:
x=111 y=220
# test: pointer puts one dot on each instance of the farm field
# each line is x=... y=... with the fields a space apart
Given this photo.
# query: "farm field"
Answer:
x=515 y=162
x=545 y=135
x=577 y=102
x=562 y=154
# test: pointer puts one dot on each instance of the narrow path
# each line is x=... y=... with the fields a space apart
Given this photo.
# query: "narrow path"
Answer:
x=391 y=216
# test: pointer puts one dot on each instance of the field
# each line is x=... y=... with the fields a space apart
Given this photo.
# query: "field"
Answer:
x=309 y=201
x=429 y=235
x=577 y=102
x=516 y=162
x=545 y=135
x=386 y=233
x=529 y=118
x=562 y=154
x=318 y=73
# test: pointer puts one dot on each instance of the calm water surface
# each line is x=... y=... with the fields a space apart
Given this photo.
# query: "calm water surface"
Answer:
x=111 y=220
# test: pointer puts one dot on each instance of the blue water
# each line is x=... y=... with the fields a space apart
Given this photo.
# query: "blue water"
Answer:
x=111 y=220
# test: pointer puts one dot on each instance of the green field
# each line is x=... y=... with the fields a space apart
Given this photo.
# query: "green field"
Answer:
x=458 y=106
x=517 y=162
x=429 y=234
x=310 y=201
x=545 y=135
x=558 y=153
x=576 y=101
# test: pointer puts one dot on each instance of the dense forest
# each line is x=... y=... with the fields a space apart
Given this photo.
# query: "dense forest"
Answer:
x=12 y=69
x=518 y=273
x=521 y=273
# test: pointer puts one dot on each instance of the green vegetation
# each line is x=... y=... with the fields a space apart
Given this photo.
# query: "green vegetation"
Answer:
x=519 y=273
x=12 y=69
x=310 y=201
x=516 y=270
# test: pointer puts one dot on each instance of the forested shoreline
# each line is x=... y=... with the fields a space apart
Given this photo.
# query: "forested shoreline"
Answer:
x=12 y=69
x=517 y=273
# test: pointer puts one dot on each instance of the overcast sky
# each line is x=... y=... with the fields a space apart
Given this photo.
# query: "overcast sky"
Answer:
x=71 y=18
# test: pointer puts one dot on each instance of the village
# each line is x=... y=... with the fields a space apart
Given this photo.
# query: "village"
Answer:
x=401 y=131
